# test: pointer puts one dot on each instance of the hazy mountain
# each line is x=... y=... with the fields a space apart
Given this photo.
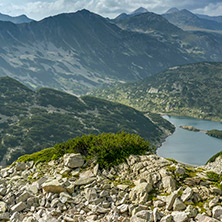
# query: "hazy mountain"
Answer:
x=212 y=18
x=186 y=20
x=80 y=51
x=32 y=120
x=190 y=90
x=138 y=11
x=172 y=10
x=17 y=19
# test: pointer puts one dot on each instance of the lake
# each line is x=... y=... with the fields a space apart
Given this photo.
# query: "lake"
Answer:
x=191 y=147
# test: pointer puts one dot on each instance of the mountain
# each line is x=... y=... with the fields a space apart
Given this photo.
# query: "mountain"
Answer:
x=212 y=18
x=138 y=11
x=172 y=10
x=186 y=20
x=17 y=19
x=191 y=90
x=32 y=120
x=78 y=52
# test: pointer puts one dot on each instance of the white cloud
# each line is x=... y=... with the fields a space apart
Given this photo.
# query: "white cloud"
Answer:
x=39 y=9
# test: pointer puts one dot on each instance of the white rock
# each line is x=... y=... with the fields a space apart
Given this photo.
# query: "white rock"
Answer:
x=178 y=205
x=123 y=208
x=73 y=160
x=167 y=218
x=3 y=207
x=169 y=184
x=53 y=186
x=179 y=216
x=20 y=166
x=191 y=211
x=187 y=194
x=204 y=218
x=217 y=212
x=18 y=207
x=170 y=200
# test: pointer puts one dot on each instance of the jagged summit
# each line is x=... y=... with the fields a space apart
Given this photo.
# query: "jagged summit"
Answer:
x=15 y=19
x=139 y=11
x=172 y=10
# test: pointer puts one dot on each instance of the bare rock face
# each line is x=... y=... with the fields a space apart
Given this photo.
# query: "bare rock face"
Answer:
x=140 y=190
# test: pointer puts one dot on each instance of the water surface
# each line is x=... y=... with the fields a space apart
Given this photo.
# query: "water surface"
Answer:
x=188 y=146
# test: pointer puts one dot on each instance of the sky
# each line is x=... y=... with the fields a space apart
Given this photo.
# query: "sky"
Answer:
x=39 y=9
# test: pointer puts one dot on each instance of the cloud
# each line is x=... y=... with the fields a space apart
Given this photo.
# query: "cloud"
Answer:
x=39 y=9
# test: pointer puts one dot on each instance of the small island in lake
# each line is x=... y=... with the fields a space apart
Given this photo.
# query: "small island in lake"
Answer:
x=190 y=128
x=215 y=133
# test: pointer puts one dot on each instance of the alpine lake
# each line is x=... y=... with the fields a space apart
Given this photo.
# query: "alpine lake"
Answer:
x=191 y=147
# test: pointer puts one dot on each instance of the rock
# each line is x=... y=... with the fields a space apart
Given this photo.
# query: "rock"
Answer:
x=139 y=193
x=137 y=219
x=3 y=207
x=73 y=160
x=169 y=184
x=159 y=203
x=217 y=213
x=23 y=197
x=216 y=190
x=214 y=202
x=180 y=170
x=20 y=166
x=18 y=207
x=84 y=181
x=191 y=211
x=34 y=188
x=90 y=194
x=167 y=218
x=170 y=200
x=53 y=186
x=4 y=217
x=191 y=181
x=187 y=194
x=123 y=208
x=204 y=218
x=179 y=216
x=122 y=187
x=144 y=214
x=178 y=205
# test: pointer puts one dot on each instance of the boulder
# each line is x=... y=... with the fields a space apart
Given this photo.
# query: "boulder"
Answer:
x=73 y=160
x=53 y=186
x=204 y=218
x=217 y=213
x=178 y=205
x=139 y=194
x=191 y=211
x=20 y=166
x=170 y=200
x=169 y=184
x=18 y=207
x=180 y=216
x=3 y=207
x=187 y=194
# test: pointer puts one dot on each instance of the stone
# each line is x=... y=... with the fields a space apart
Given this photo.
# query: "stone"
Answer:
x=217 y=213
x=122 y=187
x=204 y=218
x=4 y=216
x=34 y=188
x=187 y=194
x=178 y=205
x=73 y=160
x=53 y=186
x=23 y=197
x=144 y=214
x=180 y=170
x=84 y=181
x=214 y=202
x=20 y=166
x=216 y=190
x=191 y=211
x=137 y=219
x=3 y=207
x=169 y=184
x=18 y=207
x=170 y=200
x=123 y=208
x=179 y=216
x=90 y=194
x=168 y=218
x=139 y=194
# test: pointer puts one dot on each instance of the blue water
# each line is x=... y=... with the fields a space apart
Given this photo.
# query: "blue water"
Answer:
x=191 y=147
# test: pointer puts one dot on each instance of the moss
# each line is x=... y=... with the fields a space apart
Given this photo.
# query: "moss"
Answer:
x=172 y=160
x=213 y=176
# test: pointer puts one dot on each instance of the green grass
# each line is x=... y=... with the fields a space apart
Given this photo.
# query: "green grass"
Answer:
x=107 y=149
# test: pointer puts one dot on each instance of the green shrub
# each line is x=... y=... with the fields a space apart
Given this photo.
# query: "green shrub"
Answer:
x=108 y=149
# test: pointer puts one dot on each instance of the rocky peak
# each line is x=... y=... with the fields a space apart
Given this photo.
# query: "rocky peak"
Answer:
x=144 y=188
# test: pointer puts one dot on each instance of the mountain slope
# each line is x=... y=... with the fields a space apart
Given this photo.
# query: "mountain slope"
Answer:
x=191 y=22
x=191 y=90
x=17 y=19
x=32 y=120
x=81 y=51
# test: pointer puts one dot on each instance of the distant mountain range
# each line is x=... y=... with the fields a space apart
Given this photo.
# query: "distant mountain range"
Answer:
x=186 y=20
x=78 y=52
x=32 y=120
x=190 y=90
x=17 y=19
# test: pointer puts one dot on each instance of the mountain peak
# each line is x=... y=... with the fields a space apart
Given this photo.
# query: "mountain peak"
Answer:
x=139 y=11
x=172 y=10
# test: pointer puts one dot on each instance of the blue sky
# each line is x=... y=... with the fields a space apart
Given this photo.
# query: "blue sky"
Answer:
x=38 y=9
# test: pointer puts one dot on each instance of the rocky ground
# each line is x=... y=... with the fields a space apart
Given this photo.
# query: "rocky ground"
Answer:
x=145 y=188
